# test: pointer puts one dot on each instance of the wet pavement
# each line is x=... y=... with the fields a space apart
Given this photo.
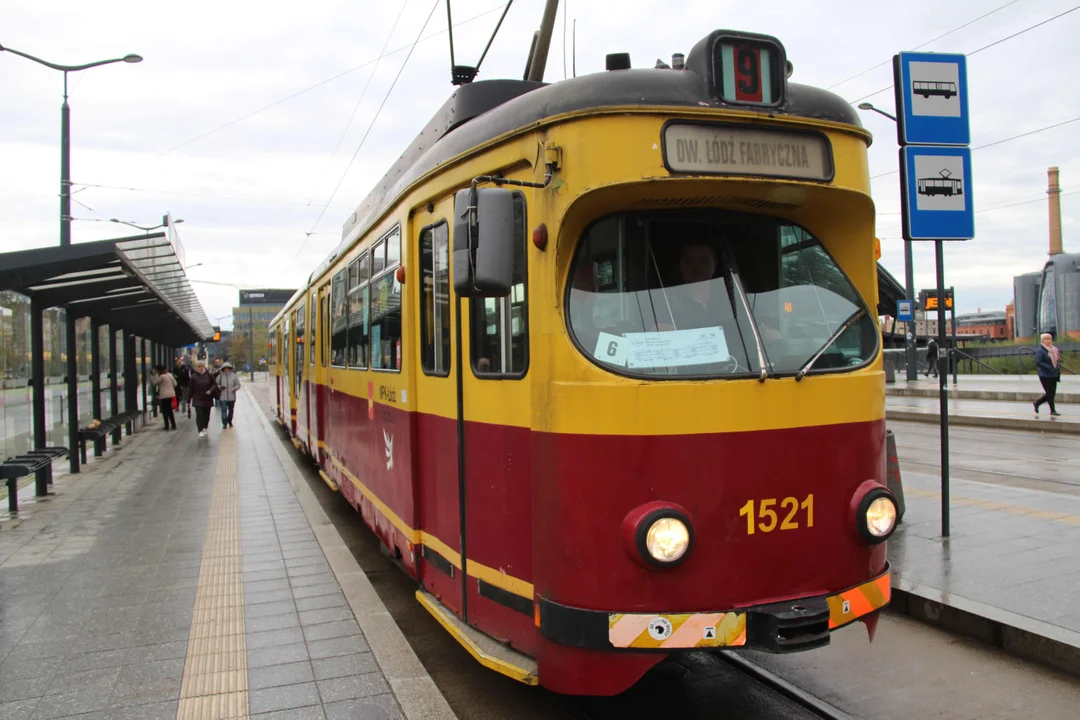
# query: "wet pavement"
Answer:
x=181 y=577
x=1014 y=415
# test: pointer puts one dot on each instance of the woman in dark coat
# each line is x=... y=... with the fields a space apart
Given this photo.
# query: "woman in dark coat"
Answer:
x=1047 y=358
x=201 y=393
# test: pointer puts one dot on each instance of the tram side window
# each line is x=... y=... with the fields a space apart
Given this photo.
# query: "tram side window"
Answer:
x=500 y=326
x=339 y=328
x=385 y=309
x=435 y=304
x=358 y=313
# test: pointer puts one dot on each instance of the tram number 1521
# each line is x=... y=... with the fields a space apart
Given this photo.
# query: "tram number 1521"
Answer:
x=767 y=519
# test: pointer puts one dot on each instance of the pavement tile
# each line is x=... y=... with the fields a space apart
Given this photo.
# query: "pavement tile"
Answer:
x=308 y=712
x=342 y=665
x=279 y=655
x=276 y=675
x=272 y=622
x=328 y=631
x=321 y=601
x=318 y=649
x=75 y=703
x=96 y=678
x=353 y=686
x=377 y=707
x=271 y=638
x=19 y=709
x=284 y=697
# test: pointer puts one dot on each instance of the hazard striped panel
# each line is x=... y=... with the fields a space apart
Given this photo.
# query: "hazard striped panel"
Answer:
x=858 y=601
x=671 y=631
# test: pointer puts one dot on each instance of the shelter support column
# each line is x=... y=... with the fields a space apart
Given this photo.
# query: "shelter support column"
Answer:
x=95 y=379
x=131 y=377
x=37 y=380
x=114 y=391
x=72 y=389
x=142 y=361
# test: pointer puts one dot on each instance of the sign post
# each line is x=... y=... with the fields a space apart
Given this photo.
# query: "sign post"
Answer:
x=934 y=135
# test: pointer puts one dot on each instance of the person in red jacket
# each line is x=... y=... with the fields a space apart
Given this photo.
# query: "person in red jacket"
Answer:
x=201 y=393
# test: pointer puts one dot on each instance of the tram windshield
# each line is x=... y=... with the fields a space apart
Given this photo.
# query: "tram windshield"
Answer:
x=713 y=294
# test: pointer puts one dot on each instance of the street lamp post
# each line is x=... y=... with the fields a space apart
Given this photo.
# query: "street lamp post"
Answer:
x=65 y=133
x=164 y=223
x=909 y=283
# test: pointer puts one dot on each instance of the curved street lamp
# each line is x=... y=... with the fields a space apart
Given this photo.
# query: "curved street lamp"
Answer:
x=868 y=106
x=65 y=132
x=146 y=229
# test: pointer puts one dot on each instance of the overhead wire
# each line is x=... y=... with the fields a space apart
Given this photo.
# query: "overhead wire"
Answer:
x=206 y=195
x=363 y=139
x=996 y=142
x=363 y=93
x=984 y=47
x=324 y=82
x=928 y=42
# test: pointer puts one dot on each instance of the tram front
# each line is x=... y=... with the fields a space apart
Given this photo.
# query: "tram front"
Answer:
x=709 y=434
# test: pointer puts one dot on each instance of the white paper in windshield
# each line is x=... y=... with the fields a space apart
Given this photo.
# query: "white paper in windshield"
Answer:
x=676 y=348
x=610 y=349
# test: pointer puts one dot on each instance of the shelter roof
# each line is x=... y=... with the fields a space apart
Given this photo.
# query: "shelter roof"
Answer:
x=136 y=283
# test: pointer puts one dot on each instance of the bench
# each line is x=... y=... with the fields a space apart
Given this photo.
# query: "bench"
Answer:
x=20 y=466
x=107 y=426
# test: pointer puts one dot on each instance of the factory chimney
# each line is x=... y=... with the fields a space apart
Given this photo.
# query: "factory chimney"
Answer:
x=1054 y=191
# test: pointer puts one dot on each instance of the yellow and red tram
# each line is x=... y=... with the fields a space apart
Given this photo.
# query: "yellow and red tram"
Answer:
x=599 y=363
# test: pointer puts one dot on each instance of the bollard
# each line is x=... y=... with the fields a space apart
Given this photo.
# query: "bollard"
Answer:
x=892 y=474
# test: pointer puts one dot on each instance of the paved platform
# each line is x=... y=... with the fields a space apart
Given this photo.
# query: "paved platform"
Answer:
x=187 y=578
x=1010 y=415
x=1008 y=574
x=1014 y=388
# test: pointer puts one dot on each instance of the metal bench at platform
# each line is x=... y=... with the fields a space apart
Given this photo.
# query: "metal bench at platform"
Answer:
x=38 y=461
x=107 y=426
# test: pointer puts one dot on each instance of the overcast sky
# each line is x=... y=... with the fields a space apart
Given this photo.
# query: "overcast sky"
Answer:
x=149 y=138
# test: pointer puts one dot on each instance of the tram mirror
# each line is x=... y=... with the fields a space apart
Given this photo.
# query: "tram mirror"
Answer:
x=483 y=262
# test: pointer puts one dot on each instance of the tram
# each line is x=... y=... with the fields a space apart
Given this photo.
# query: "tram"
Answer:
x=597 y=361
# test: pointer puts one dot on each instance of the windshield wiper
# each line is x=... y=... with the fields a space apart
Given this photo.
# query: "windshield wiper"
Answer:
x=854 y=318
x=753 y=325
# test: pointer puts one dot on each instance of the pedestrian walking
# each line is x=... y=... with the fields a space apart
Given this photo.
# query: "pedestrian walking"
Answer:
x=1047 y=361
x=931 y=357
x=228 y=385
x=182 y=375
x=165 y=386
x=202 y=392
x=215 y=370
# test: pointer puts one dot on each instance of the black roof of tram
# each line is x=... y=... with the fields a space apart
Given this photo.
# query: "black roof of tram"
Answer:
x=480 y=111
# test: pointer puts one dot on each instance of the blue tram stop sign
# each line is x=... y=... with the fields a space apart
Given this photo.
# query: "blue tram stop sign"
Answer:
x=937 y=201
x=904 y=311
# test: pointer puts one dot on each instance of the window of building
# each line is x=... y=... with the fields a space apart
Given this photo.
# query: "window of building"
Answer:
x=435 y=304
x=500 y=326
x=339 y=323
x=385 y=308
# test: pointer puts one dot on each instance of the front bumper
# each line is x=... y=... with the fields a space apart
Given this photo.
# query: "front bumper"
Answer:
x=790 y=626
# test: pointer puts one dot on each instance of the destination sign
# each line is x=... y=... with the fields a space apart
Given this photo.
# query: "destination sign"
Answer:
x=725 y=150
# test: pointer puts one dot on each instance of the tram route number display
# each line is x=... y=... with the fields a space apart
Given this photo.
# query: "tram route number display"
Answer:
x=766 y=519
x=725 y=150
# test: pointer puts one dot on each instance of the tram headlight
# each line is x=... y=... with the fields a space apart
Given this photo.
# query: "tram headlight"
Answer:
x=876 y=515
x=667 y=540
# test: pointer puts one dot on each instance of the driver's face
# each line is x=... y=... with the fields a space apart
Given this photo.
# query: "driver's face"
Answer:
x=697 y=264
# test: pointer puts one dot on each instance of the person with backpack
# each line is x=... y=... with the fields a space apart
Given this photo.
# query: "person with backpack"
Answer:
x=1047 y=364
x=931 y=357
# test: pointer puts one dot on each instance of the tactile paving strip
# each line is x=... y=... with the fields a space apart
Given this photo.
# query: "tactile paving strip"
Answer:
x=215 y=673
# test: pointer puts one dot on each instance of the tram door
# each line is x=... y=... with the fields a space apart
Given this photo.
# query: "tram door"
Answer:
x=296 y=384
x=436 y=416
x=320 y=362
x=288 y=407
